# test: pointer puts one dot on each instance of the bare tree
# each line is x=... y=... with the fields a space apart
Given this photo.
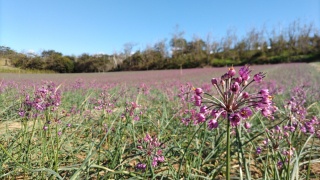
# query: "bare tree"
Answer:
x=277 y=40
x=254 y=39
x=161 y=47
x=209 y=44
x=303 y=39
x=178 y=43
x=229 y=42
x=127 y=48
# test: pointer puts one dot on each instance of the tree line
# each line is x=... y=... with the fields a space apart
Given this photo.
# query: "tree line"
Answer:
x=295 y=43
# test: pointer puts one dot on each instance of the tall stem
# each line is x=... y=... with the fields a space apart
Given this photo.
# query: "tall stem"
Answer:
x=228 y=150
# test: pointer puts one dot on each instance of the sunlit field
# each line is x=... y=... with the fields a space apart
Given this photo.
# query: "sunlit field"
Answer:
x=168 y=124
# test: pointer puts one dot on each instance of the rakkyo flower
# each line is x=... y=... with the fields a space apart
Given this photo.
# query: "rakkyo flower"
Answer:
x=232 y=100
x=151 y=149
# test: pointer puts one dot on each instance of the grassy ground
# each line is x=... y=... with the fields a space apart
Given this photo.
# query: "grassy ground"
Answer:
x=100 y=128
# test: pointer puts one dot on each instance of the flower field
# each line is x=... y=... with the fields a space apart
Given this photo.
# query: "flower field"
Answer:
x=258 y=122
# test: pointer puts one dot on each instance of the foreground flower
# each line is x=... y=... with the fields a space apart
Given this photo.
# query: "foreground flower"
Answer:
x=233 y=100
x=150 y=149
x=46 y=97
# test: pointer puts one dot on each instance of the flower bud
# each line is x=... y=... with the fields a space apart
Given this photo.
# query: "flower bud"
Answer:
x=214 y=81
x=245 y=95
x=235 y=119
x=247 y=125
x=197 y=98
x=203 y=109
x=235 y=87
x=213 y=124
x=225 y=76
x=244 y=82
x=201 y=117
x=258 y=151
x=238 y=79
x=197 y=103
x=264 y=92
x=214 y=113
x=258 y=77
x=198 y=91
x=231 y=72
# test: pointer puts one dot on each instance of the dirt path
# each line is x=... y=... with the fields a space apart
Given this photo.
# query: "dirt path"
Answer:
x=10 y=126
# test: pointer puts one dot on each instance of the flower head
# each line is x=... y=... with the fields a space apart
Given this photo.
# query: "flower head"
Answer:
x=151 y=149
x=233 y=102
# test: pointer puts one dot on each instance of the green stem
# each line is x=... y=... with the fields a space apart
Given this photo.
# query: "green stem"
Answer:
x=242 y=156
x=56 y=159
x=228 y=151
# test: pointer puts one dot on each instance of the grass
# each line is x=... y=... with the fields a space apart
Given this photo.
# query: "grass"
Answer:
x=97 y=131
x=9 y=69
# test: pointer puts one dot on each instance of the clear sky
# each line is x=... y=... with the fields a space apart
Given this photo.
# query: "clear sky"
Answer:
x=73 y=27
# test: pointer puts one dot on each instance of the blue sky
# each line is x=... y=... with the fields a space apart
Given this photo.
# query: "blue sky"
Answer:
x=73 y=27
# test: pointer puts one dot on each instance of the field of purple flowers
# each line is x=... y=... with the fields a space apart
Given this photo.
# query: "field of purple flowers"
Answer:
x=259 y=122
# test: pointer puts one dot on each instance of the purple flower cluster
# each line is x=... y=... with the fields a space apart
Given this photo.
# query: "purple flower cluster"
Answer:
x=150 y=148
x=233 y=101
x=78 y=84
x=296 y=104
x=311 y=126
x=131 y=111
x=190 y=116
x=184 y=93
x=103 y=103
x=273 y=87
x=143 y=88
x=47 y=97
x=298 y=114
x=280 y=140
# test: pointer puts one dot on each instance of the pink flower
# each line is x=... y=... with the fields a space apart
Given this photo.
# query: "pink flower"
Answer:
x=235 y=119
x=245 y=95
x=154 y=163
x=244 y=73
x=141 y=166
x=247 y=125
x=201 y=118
x=245 y=112
x=232 y=100
x=203 y=109
x=264 y=92
x=235 y=87
x=197 y=98
x=198 y=91
x=258 y=77
x=238 y=79
x=147 y=138
x=266 y=112
x=213 y=124
x=197 y=103
x=258 y=151
x=214 y=81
